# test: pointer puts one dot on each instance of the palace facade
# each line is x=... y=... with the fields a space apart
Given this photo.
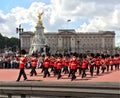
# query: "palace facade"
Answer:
x=71 y=41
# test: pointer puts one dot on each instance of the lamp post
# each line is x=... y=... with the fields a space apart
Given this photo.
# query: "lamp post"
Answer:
x=19 y=30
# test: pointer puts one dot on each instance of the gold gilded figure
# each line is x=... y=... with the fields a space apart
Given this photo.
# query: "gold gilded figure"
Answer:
x=39 y=19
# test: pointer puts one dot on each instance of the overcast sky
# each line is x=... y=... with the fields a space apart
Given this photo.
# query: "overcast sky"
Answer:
x=85 y=15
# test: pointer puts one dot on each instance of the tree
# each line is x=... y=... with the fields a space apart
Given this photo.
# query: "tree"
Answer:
x=9 y=43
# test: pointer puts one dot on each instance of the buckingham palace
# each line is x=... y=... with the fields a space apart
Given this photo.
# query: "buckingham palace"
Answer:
x=72 y=41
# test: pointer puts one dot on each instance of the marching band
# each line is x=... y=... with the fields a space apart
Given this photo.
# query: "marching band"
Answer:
x=69 y=64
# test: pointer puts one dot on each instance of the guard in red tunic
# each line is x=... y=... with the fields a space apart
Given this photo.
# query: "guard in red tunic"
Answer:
x=73 y=68
x=107 y=60
x=116 y=63
x=84 y=66
x=33 y=61
x=79 y=66
x=52 y=63
x=59 y=68
x=111 y=62
x=103 y=65
x=65 y=64
x=119 y=62
x=97 y=64
x=46 y=64
x=91 y=65
x=22 y=61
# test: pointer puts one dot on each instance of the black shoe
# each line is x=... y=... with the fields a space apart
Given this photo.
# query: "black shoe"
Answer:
x=69 y=75
x=73 y=78
x=48 y=75
x=17 y=80
x=44 y=76
x=59 y=77
x=82 y=76
x=25 y=78
x=91 y=75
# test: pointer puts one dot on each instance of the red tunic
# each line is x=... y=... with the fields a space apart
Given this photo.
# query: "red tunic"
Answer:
x=97 y=63
x=79 y=65
x=51 y=63
x=107 y=62
x=111 y=62
x=65 y=62
x=46 y=63
x=55 y=64
x=73 y=65
x=119 y=60
x=23 y=60
x=34 y=62
x=116 y=61
x=59 y=65
x=84 y=65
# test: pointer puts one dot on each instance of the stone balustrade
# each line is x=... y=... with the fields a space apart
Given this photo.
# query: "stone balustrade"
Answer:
x=35 y=89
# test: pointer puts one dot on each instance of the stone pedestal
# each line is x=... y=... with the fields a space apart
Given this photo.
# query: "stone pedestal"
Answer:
x=39 y=40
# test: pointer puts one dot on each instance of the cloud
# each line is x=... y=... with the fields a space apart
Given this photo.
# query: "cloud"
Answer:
x=2 y=20
x=87 y=15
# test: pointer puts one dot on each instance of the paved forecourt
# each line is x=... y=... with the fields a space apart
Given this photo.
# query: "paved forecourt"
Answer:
x=10 y=75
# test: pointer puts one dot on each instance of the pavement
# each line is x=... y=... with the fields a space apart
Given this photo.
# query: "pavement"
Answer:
x=10 y=75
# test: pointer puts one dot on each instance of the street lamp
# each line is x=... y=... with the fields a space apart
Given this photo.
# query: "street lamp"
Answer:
x=19 y=30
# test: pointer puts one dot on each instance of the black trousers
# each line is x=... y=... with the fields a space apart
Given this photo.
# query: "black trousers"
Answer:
x=46 y=72
x=65 y=70
x=83 y=72
x=111 y=67
x=91 y=70
x=98 y=68
x=116 y=66
x=22 y=72
x=55 y=71
x=59 y=73
x=70 y=72
x=33 y=71
x=73 y=74
x=107 y=67
x=80 y=70
x=103 y=69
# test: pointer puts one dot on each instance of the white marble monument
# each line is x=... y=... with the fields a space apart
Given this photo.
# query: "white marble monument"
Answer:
x=39 y=40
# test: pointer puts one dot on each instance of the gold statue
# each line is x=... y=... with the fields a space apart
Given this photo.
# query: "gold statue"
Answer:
x=39 y=19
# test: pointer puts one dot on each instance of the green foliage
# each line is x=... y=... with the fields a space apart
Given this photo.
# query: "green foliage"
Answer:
x=10 y=43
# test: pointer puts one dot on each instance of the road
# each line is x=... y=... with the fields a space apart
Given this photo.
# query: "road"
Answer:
x=12 y=74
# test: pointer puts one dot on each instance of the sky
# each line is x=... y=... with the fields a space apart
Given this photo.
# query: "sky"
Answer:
x=85 y=16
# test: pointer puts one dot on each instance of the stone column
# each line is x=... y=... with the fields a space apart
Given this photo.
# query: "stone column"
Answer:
x=73 y=44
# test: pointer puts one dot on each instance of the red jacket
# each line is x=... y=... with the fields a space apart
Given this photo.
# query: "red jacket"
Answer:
x=116 y=61
x=59 y=65
x=84 y=65
x=55 y=64
x=97 y=63
x=51 y=63
x=46 y=63
x=79 y=65
x=34 y=62
x=23 y=60
x=73 y=65
x=65 y=63
x=111 y=62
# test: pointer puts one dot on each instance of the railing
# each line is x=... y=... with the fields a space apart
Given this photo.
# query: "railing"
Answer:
x=34 y=89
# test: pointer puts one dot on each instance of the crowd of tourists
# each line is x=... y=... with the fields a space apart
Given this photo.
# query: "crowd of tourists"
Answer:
x=59 y=64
